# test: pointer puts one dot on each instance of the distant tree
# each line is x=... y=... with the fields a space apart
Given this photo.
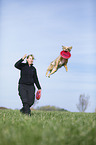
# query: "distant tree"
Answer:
x=83 y=103
x=50 y=108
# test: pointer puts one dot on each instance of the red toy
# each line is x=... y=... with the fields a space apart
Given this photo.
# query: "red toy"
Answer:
x=38 y=94
x=65 y=54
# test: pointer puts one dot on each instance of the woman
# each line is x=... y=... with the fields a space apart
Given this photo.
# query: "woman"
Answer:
x=26 y=88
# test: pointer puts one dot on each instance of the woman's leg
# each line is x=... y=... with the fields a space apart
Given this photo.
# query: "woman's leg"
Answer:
x=26 y=108
x=23 y=92
x=31 y=95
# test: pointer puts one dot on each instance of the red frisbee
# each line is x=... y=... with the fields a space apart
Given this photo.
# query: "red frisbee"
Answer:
x=65 y=54
x=38 y=94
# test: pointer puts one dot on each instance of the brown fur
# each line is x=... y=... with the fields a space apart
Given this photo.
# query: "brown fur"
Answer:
x=58 y=62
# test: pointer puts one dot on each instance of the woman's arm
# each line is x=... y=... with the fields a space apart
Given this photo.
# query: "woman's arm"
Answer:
x=36 y=81
x=18 y=64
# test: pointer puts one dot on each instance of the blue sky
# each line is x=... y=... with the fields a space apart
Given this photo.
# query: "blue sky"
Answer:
x=41 y=28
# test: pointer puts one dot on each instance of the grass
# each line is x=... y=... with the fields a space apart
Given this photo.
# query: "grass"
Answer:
x=47 y=128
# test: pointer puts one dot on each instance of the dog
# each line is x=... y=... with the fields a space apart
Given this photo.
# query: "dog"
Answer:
x=58 y=62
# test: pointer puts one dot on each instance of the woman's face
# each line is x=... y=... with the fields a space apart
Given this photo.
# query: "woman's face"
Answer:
x=30 y=60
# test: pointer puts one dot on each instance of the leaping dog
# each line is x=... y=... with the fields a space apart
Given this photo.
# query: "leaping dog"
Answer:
x=58 y=62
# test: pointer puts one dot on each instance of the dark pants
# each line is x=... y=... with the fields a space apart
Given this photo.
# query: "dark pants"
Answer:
x=27 y=96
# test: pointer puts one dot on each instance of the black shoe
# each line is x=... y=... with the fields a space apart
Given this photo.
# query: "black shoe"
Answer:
x=26 y=109
x=22 y=110
x=29 y=114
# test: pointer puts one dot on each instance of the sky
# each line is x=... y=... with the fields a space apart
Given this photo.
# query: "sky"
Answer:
x=41 y=27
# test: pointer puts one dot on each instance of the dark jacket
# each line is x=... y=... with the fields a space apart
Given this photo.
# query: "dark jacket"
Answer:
x=28 y=74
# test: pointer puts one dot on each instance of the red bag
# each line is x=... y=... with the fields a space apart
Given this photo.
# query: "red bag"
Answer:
x=38 y=94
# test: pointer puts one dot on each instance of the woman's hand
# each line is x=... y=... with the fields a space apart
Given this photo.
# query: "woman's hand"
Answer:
x=24 y=56
x=39 y=91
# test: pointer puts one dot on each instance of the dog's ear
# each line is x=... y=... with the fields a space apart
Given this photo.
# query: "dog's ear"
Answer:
x=70 y=47
x=63 y=47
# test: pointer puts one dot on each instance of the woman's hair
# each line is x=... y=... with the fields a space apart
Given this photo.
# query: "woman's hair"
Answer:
x=31 y=56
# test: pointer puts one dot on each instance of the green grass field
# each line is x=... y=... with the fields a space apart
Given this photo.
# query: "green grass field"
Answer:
x=47 y=128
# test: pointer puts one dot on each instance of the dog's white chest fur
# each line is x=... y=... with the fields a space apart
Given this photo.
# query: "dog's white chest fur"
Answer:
x=62 y=62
